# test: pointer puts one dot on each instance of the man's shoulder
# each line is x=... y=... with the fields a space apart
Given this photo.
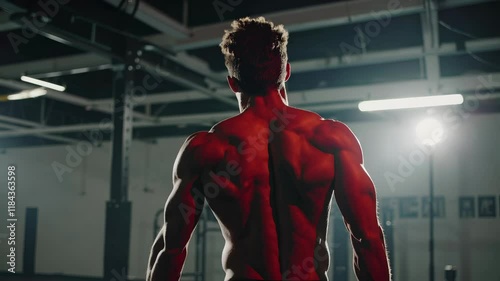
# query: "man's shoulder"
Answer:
x=335 y=128
x=203 y=140
x=204 y=146
x=196 y=139
x=332 y=136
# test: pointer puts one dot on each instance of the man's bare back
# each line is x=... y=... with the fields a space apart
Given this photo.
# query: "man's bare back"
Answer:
x=268 y=176
x=273 y=209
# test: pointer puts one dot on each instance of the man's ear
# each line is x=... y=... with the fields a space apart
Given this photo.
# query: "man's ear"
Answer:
x=233 y=84
x=288 y=71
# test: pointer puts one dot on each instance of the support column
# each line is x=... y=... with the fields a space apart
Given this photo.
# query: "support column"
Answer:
x=118 y=208
x=430 y=35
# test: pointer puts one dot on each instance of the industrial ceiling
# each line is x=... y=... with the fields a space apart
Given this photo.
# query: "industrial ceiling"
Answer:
x=341 y=53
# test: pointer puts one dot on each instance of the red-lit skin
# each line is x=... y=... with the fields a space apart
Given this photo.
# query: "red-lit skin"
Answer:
x=312 y=158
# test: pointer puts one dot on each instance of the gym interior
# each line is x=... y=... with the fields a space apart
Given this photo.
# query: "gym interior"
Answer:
x=97 y=97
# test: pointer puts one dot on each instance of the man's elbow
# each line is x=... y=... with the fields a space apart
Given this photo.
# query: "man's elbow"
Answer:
x=372 y=238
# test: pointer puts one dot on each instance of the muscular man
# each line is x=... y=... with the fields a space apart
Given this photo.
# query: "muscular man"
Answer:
x=268 y=174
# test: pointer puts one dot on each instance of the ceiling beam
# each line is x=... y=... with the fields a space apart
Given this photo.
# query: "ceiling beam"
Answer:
x=301 y=19
x=191 y=119
x=63 y=63
x=309 y=18
x=358 y=10
x=70 y=98
x=156 y=19
x=430 y=37
x=16 y=128
x=388 y=56
x=329 y=99
x=68 y=63
x=447 y=85
x=6 y=24
x=10 y=8
x=184 y=81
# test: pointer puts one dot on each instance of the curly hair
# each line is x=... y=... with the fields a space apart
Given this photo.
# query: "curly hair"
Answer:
x=255 y=52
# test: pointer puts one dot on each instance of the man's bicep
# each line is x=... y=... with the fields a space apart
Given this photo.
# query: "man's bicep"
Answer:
x=355 y=195
x=353 y=188
x=182 y=212
x=185 y=202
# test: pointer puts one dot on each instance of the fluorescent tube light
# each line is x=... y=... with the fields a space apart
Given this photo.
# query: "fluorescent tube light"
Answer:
x=27 y=94
x=415 y=102
x=43 y=83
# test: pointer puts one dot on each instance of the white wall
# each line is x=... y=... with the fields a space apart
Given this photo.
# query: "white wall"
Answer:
x=466 y=163
x=71 y=212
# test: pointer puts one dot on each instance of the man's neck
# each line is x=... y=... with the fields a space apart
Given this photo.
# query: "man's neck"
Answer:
x=273 y=99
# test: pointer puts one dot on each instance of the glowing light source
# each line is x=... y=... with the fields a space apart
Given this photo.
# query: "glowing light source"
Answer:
x=430 y=131
x=27 y=94
x=415 y=102
x=43 y=83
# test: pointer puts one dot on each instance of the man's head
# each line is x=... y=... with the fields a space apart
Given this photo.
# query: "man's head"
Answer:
x=256 y=55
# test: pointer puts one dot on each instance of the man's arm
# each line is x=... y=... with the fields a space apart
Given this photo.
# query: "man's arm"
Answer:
x=182 y=212
x=356 y=197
